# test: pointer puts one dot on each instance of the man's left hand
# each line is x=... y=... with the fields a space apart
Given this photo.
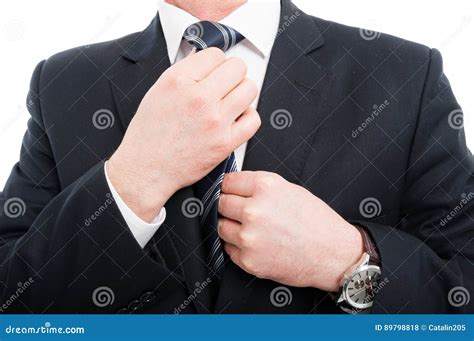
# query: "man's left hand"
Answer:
x=277 y=230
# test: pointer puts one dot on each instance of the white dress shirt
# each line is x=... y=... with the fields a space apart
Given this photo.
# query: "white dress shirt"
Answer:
x=258 y=22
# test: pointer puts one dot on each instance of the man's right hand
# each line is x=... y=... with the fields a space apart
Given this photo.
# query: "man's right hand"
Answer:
x=190 y=120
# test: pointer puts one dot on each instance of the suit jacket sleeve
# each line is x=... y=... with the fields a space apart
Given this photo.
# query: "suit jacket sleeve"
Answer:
x=68 y=243
x=428 y=258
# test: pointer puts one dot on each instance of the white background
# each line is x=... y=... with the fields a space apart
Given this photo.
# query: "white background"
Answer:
x=32 y=30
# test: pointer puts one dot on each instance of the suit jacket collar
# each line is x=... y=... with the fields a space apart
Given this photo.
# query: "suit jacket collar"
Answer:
x=247 y=20
x=151 y=41
x=148 y=56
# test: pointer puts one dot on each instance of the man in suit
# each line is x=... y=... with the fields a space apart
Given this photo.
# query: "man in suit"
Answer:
x=352 y=172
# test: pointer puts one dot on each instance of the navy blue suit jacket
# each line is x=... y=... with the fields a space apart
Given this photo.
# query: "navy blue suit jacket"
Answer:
x=375 y=133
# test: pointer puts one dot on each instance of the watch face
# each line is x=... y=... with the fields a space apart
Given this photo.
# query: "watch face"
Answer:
x=361 y=288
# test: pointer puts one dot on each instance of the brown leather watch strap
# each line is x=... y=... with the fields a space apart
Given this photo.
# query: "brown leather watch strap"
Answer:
x=369 y=246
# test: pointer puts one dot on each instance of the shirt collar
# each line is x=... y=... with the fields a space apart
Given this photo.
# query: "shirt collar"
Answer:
x=257 y=21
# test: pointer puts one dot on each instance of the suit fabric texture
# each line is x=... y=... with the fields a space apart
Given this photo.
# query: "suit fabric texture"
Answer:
x=367 y=128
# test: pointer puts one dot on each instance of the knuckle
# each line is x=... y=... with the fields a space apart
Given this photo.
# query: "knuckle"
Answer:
x=220 y=148
x=197 y=102
x=257 y=120
x=249 y=91
x=223 y=206
x=228 y=180
x=252 y=125
x=213 y=122
x=238 y=65
x=171 y=82
x=251 y=87
x=226 y=142
x=225 y=181
x=247 y=238
x=216 y=54
x=248 y=263
x=222 y=230
x=265 y=181
x=250 y=213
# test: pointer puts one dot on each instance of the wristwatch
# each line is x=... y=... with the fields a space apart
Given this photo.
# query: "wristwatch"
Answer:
x=359 y=286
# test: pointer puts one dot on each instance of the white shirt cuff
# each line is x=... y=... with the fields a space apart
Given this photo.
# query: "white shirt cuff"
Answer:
x=141 y=230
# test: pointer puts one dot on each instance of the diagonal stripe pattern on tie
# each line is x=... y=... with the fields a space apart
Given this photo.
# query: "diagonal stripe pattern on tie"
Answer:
x=206 y=34
x=202 y=35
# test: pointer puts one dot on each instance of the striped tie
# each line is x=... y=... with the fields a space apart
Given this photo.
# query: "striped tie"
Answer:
x=202 y=35
x=206 y=34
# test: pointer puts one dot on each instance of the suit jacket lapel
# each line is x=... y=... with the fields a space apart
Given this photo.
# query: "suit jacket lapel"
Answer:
x=293 y=100
x=148 y=59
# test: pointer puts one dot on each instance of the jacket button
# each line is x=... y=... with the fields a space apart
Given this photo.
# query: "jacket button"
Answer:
x=122 y=311
x=134 y=305
x=148 y=297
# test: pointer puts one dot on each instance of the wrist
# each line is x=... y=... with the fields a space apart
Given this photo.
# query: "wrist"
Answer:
x=144 y=195
x=349 y=252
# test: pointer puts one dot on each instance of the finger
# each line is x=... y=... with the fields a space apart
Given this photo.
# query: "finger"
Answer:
x=245 y=127
x=229 y=231
x=239 y=183
x=234 y=253
x=239 y=99
x=193 y=51
x=199 y=65
x=231 y=206
x=225 y=77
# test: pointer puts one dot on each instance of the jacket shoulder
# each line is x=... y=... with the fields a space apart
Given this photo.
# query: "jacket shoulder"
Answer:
x=82 y=61
x=370 y=45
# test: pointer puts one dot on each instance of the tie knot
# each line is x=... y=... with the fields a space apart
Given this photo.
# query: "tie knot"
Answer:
x=206 y=34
